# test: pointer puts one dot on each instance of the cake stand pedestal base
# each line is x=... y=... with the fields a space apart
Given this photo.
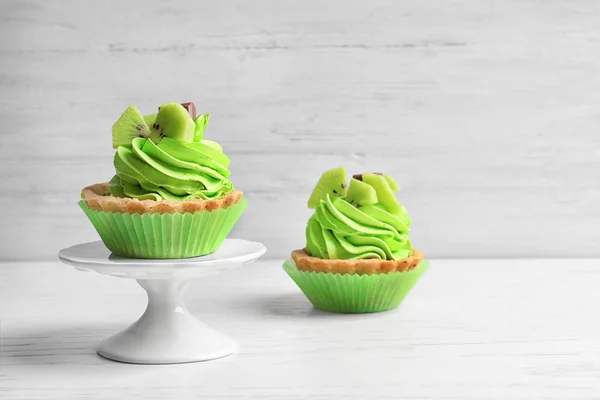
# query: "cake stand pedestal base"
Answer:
x=166 y=333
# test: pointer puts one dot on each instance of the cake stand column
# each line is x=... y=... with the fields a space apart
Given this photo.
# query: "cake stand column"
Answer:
x=166 y=332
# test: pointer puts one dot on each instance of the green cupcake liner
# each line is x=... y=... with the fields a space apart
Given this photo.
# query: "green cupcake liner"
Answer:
x=176 y=235
x=343 y=293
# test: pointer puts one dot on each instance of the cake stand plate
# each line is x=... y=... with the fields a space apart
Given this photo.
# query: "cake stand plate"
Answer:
x=166 y=333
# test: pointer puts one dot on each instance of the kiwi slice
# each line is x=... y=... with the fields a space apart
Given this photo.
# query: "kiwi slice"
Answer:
x=200 y=127
x=385 y=194
x=360 y=193
x=393 y=185
x=173 y=121
x=332 y=182
x=150 y=119
x=130 y=125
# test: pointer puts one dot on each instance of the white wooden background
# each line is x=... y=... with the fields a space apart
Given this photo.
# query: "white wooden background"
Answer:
x=487 y=112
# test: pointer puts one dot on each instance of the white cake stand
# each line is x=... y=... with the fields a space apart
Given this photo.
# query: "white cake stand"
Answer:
x=166 y=333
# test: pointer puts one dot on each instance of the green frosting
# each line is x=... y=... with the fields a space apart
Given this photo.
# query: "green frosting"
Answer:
x=339 y=230
x=170 y=170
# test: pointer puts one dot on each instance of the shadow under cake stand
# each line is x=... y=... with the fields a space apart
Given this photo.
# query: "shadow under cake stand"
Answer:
x=167 y=332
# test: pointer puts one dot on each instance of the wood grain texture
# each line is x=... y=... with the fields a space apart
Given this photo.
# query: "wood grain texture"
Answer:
x=473 y=330
x=486 y=112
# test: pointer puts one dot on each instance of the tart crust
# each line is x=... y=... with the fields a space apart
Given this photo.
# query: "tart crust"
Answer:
x=98 y=197
x=305 y=262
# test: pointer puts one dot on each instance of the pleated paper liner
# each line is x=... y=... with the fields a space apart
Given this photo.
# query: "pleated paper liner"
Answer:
x=153 y=235
x=344 y=293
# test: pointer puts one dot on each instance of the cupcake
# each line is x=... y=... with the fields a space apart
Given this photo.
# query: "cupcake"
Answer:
x=171 y=196
x=358 y=257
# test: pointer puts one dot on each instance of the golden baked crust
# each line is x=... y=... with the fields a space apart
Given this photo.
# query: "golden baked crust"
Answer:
x=98 y=197
x=305 y=262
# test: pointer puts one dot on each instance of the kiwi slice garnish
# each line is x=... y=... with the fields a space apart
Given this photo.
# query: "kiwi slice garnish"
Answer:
x=150 y=119
x=385 y=194
x=173 y=121
x=361 y=193
x=131 y=124
x=332 y=182
x=393 y=185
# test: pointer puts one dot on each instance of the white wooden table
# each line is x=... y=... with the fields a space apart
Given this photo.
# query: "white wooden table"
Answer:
x=511 y=329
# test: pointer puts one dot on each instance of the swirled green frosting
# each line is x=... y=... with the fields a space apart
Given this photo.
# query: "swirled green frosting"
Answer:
x=170 y=170
x=339 y=230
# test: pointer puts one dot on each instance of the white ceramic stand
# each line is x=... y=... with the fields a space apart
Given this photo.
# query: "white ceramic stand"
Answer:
x=166 y=333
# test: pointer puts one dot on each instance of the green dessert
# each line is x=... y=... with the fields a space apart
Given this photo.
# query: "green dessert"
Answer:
x=168 y=160
x=358 y=257
x=365 y=223
x=171 y=196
